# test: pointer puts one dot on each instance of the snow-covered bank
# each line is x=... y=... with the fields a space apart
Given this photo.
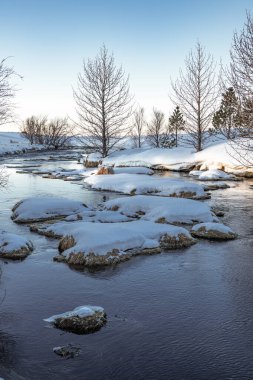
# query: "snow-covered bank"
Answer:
x=219 y=155
x=14 y=143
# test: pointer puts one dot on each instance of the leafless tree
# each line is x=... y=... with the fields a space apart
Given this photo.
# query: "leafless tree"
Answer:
x=57 y=133
x=241 y=77
x=195 y=91
x=33 y=128
x=7 y=92
x=241 y=54
x=103 y=102
x=155 y=129
x=52 y=134
x=138 y=127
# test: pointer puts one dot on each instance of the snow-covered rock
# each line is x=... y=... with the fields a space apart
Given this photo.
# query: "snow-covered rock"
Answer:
x=216 y=186
x=13 y=246
x=162 y=209
x=214 y=231
x=144 y=184
x=94 y=244
x=45 y=208
x=82 y=320
x=98 y=216
x=212 y=175
x=133 y=170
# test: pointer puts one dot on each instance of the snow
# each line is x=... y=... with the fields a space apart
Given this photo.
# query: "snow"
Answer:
x=149 y=157
x=136 y=184
x=173 y=210
x=102 y=216
x=212 y=175
x=11 y=142
x=80 y=311
x=10 y=242
x=45 y=208
x=133 y=170
x=101 y=238
x=219 y=155
x=219 y=227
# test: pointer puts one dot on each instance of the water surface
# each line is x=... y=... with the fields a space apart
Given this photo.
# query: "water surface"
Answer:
x=182 y=315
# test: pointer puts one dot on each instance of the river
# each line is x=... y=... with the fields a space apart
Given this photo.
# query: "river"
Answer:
x=182 y=315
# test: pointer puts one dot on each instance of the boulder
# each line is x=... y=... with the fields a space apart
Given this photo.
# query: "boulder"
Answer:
x=105 y=170
x=82 y=320
x=213 y=231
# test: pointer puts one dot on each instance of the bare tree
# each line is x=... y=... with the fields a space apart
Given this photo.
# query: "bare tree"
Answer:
x=53 y=134
x=241 y=78
x=57 y=133
x=7 y=92
x=33 y=128
x=103 y=102
x=195 y=91
x=241 y=66
x=138 y=127
x=155 y=129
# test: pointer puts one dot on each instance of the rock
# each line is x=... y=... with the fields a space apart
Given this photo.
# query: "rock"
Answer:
x=66 y=243
x=105 y=170
x=216 y=186
x=81 y=320
x=171 y=242
x=67 y=352
x=14 y=247
x=93 y=160
x=213 y=231
x=60 y=258
x=42 y=209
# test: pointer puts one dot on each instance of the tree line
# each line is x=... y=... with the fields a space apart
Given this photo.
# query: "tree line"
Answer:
x=207 y=100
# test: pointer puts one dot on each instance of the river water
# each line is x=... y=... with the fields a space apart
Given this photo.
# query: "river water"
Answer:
x=182 y=315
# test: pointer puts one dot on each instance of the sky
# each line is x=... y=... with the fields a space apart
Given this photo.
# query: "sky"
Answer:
x=47 y=40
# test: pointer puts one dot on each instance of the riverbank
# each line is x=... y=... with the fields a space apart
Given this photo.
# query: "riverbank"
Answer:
x=219 y=155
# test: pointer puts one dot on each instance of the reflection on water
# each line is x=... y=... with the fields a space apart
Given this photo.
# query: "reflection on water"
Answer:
x=180 y=315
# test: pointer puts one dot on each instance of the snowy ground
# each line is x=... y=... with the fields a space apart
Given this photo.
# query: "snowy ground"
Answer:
x=219 y=155
x=11 y=142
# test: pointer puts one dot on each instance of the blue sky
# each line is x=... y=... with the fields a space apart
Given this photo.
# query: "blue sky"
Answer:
x=47 y=41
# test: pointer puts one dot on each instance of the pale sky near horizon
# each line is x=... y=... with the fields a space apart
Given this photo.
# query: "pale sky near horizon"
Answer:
x=47 y=41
